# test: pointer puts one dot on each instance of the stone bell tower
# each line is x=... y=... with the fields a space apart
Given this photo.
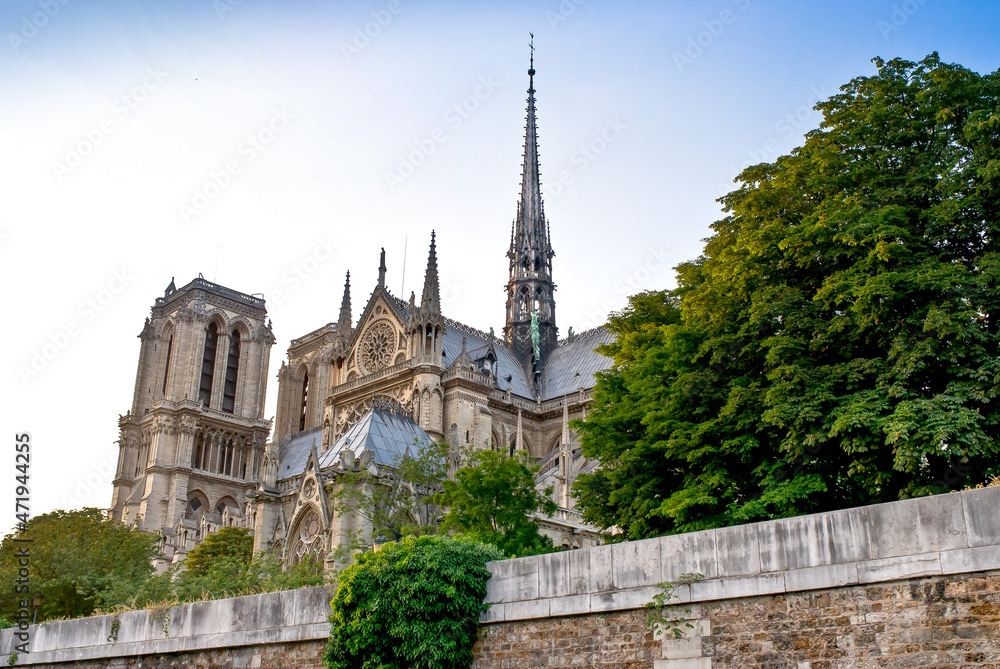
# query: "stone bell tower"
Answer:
x=193 y=442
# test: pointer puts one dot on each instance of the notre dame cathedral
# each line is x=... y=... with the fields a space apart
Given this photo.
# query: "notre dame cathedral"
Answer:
x=195 y=452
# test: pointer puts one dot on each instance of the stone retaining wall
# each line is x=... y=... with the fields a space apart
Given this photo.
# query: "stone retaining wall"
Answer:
x=912 y=583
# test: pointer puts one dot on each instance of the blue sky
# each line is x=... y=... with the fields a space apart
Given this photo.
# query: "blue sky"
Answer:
x=349 y=127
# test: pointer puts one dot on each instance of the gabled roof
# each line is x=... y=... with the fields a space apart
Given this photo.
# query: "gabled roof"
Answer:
x=294 y=453
x=387 y=434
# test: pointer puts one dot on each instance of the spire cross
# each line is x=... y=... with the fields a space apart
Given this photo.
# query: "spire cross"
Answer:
x=532 y=45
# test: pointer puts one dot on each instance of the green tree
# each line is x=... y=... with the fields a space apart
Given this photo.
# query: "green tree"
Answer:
x=837 y=342
x=227 y=544
x=224 y=565
x=415 y=604
x=79 y=560
x=396 y=502
x=490 y=499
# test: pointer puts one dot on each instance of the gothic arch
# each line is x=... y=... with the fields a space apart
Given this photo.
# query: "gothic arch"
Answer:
x=197 y=505
x=307 y=537
x=225 y=502
x=243 y=325
x=219 y=318
x=555 y=443
x=165 y=362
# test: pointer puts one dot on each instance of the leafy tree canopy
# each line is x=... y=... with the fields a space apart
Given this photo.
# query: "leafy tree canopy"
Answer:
x=224 y=565
x=79 y=560
x=228 y=544
x=837 y=342
x=394 y=503
x=415 y=604
x=490 y=499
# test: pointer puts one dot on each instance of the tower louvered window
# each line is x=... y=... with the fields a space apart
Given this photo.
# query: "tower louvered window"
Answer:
x=166 y=367
x=208 y=364
x=232 y=372
x=305 y=401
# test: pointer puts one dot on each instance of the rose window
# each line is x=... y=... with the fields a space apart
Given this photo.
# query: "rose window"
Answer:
x=308 y=541
x=377 y=347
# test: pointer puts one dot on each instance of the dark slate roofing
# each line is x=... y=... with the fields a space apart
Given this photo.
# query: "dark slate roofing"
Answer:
x=293 y=455
x=573 y=364
x=477 y=341
x=386 y=433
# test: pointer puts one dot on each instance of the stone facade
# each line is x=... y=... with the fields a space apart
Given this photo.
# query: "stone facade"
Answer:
x=193 y=443
x=194 y=452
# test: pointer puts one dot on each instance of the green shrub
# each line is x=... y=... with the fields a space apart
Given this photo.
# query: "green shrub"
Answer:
x=415 y=603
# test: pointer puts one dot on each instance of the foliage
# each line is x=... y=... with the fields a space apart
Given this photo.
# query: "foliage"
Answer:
x=664 y=615
x=837 y=342
x=490 y=499
x=233 y=578
x=227 y=544
x=994 y=481
x=415 y=603
x=224 y=565
x=396 y=503
x=78 y=560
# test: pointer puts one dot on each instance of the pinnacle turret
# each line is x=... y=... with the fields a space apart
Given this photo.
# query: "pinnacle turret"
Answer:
x=430 y=300
x=426 y=321
x=344 y=322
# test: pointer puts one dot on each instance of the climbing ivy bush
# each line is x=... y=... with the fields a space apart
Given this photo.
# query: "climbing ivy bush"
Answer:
x=415 y=603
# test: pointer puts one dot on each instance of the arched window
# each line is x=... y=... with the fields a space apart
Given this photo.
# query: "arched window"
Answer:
x=232 y=371
x=305 y=400
x=198 y=452
x=208 y=364
x=166 y=366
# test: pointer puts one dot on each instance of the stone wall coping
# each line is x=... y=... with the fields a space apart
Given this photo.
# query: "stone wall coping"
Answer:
x=939 y=535
x=273 y=617
x=930 y=536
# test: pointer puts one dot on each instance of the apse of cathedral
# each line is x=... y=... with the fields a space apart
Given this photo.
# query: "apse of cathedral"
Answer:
x=194 y=448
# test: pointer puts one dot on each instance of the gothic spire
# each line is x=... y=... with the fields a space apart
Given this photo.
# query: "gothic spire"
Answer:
x=530 y=328
x=529 y=227
x=344 y=322
x=430 y=301
x=381 y=270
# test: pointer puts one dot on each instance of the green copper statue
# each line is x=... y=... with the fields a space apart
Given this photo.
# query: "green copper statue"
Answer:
x=534 y=335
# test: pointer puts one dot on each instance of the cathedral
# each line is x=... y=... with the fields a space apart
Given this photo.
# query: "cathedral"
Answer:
x=196 y=452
